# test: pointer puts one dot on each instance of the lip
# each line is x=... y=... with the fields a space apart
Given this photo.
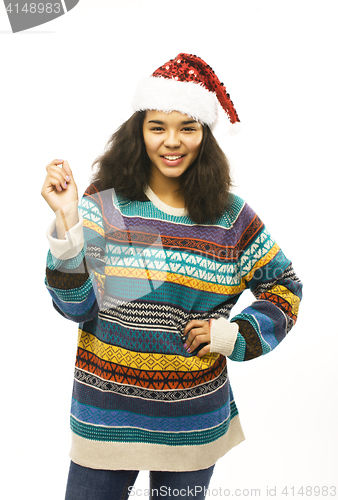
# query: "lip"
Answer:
x=172 y=163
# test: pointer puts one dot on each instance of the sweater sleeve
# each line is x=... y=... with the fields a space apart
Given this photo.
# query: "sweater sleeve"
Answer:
x=75 y=265
x=270 y=276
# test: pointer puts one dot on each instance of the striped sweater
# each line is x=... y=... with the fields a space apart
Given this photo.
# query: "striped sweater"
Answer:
x=132 y=274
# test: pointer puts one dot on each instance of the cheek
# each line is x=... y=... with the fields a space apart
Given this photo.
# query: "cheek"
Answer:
x=151 y=145
x=195 y=147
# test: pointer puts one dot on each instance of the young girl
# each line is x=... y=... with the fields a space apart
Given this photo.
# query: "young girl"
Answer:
x=150 y=267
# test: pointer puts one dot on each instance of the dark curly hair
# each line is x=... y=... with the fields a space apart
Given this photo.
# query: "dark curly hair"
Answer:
x=125 y=166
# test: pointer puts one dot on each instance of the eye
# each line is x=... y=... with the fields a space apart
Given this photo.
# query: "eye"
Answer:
x=156 y=129
x=188 y=129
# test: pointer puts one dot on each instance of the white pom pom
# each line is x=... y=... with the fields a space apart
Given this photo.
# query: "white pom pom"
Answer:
x=235 y=128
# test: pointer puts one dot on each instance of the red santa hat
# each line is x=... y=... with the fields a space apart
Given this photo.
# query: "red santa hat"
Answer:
x=186 y=84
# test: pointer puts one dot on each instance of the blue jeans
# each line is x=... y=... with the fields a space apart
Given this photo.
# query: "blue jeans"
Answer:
x=97 y=484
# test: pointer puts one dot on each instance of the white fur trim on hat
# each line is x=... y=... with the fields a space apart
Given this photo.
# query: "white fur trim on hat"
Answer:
x=189 y=98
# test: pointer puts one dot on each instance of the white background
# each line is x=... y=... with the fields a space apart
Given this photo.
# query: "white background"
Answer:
x=65 y=87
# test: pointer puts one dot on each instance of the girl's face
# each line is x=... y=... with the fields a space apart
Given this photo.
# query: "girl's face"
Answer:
x=172 y=141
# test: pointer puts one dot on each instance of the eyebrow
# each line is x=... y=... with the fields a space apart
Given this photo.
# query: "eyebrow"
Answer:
x=159 y=122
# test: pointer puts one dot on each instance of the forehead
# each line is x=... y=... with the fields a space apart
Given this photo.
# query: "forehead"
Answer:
x=172 y=117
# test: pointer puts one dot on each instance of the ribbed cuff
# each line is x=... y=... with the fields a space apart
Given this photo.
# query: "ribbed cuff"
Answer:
x=70 y=246
x=223 y=335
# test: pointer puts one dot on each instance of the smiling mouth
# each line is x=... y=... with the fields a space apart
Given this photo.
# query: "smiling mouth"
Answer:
x=173 y=158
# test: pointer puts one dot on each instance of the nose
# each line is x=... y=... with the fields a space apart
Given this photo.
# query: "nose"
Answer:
x=172 y=139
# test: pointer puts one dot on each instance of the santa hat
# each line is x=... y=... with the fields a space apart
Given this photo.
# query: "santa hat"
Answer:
x=186 y=84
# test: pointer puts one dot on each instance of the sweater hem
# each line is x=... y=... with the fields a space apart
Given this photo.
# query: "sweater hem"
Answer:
x=147 y=456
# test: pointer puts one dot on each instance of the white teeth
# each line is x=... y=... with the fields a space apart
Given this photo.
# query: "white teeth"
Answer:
x=172 y=157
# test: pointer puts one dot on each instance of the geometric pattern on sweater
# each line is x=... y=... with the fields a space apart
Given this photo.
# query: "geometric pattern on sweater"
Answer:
x=179 y=296
x=120 y=232
x=194 y=245
x=251 y=338
x=58 y=278
x=146 y=338
x=116 y=418
x=196 y=249
x=261 y=332
x=153 y=394
x=144 y=360
x=197 y=401
x=289 y=276
x=171 y=264
x=166 y=223
x=149 y=379
x=84 y=296
x=77 y=263
x=217 y=278
x=166 y=339
x=257 y=257
x=169 y=261
x=112 y=221
x=136 y=313
x=149 y=315
x=135 y=435
x=199 y=283
x=281 y=295
x=140 y=277
x=280 y=302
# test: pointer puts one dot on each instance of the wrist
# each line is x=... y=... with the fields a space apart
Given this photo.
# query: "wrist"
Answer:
x=66 y=218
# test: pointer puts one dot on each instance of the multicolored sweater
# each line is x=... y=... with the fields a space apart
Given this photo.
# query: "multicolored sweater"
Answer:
x=133 y=274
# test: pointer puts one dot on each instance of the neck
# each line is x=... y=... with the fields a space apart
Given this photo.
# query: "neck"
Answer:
x=168 y=191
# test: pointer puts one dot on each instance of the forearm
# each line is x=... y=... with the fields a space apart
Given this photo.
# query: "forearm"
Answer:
x=68 y=279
